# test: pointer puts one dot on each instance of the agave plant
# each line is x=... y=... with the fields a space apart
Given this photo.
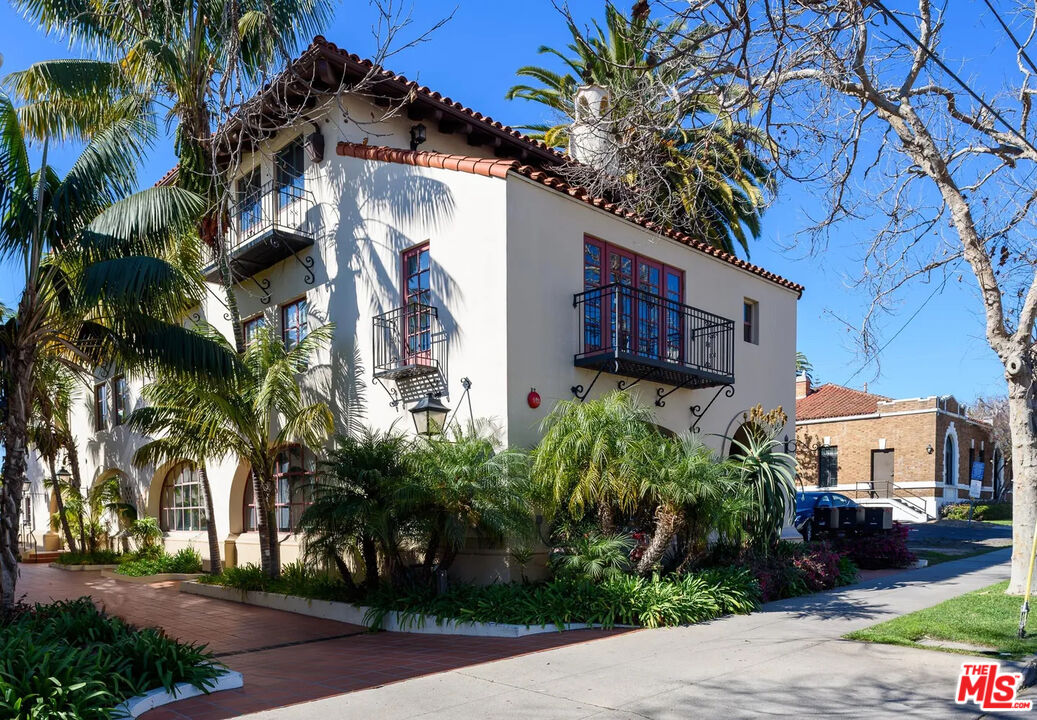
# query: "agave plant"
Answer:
x=769 y=474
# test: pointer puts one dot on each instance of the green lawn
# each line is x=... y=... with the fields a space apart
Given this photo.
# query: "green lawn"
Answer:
x=935 y=557
x=999 y=522
x=986 y=618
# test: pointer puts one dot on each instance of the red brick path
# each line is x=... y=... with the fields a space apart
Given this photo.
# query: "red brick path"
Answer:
x=320 y=662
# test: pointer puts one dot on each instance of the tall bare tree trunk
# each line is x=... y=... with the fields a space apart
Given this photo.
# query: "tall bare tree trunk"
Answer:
x=266 y=526
x=19 y=373
x=215 y=566
x=1024 y=480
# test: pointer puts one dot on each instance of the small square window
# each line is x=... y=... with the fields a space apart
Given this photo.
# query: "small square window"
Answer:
x=751 y=321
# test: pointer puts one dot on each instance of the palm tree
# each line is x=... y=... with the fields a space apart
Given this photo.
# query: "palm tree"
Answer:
x=707 y=179
x=193 y=57
x=99 y=285
x=683 y=480
x=53 y=390
x=461 y=484
x=356 y=508
x=584 y=459
x=253 y=418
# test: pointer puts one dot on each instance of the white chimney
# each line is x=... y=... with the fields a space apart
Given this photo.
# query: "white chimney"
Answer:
x=591 y=137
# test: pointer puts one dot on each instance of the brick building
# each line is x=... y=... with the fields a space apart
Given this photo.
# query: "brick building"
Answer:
x=917 y=453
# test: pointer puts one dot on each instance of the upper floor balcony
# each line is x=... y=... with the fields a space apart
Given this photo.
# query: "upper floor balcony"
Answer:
x=268 y=223
x=410 y=350
x=630 y=332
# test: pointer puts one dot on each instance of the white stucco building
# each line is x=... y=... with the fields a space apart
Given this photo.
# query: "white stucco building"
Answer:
x=469 y=258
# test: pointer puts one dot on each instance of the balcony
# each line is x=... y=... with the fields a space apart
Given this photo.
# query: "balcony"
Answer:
x=633 y=333
x=268 y=224
x=410 y=351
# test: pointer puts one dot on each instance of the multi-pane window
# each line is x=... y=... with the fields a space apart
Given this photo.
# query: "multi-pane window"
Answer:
x=250 y=202
x=250 y=328
x=751 y=321
x=294 y=318
x=828 y=466
x=101 y=406
x=122 y=399
x=289 y=173
x=950 y=471
x=183 y=499
x=642 y=313
x=416 y=291
x=294 y=478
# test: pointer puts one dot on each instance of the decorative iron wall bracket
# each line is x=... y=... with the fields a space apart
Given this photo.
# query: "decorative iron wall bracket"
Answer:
x=582 y=394
x=264 y=287
x=698 y=413
x=394 y=396
x=622 y=384
x=661 y=394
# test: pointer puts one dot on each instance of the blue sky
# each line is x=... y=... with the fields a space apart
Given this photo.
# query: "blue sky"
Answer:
x=473 y=58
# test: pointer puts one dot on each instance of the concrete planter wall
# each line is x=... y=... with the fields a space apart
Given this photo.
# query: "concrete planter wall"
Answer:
x=161 y=577
x=81 y=568
x=152 y=699
x=355 y=614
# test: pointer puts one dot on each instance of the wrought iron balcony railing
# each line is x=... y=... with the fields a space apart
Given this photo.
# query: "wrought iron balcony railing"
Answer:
x=269 y=223
x=410 y=349
x=630 y=332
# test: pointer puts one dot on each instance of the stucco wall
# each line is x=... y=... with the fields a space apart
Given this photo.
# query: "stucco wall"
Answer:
x=545 y=269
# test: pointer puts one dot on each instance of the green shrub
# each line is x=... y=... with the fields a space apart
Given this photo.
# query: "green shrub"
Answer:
x=876 y=552
x=297 y=579
x=98 y=557
x=69 y=661
x=186 y=560
x=794 y=569
x=985 y=511
x=620 y=600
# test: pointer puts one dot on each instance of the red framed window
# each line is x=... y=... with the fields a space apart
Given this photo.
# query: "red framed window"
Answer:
x=251 y=327
x=294 y=477
x=294 y=322
x=101 y=406
x=648 y=322
x=416 y=291
x=121 y=398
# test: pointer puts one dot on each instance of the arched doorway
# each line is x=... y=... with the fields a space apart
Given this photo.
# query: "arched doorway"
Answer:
x=743 y=438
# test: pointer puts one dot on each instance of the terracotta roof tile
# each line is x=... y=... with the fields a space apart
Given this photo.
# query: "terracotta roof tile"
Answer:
x=500 y=169
x=831 y=401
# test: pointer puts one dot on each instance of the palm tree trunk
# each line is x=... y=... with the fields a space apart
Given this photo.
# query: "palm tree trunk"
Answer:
x=215 y=566
x=606 y=519
x=667 y=523
x=370 y=553
x=62 y=515
x=430 y=552
x=19 y=366
x=263 y=518
x=77 y=479
x=343 y=570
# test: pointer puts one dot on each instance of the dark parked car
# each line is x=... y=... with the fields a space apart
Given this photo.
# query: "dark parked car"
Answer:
x=808 y=502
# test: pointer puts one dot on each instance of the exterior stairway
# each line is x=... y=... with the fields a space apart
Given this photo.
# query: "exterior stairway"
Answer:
x=39 y=557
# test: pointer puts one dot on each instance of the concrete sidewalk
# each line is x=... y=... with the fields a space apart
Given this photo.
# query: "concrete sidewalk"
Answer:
x=786 y=660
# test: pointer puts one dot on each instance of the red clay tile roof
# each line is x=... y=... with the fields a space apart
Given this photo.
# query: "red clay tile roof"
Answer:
x=489 y=167
x=830 y=401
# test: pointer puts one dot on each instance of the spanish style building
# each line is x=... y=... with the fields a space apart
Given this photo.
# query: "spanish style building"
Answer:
x=916 y=454
x=457 y=265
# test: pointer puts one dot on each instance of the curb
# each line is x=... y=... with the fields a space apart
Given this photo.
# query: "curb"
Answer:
x=356 y=614
x=81 y=568
x=145 y=579
x=140 y=704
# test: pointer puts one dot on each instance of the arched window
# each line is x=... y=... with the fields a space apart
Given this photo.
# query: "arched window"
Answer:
x=183 y=500
x=950 y=461
x=294 y=475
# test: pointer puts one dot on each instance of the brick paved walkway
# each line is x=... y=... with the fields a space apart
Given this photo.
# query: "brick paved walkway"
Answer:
x=285 y=658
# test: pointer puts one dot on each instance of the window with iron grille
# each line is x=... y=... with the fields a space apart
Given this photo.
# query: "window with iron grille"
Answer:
x=828 y=466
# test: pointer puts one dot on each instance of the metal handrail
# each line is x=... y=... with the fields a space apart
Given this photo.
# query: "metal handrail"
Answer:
x=270 y=206
x=621 y=319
